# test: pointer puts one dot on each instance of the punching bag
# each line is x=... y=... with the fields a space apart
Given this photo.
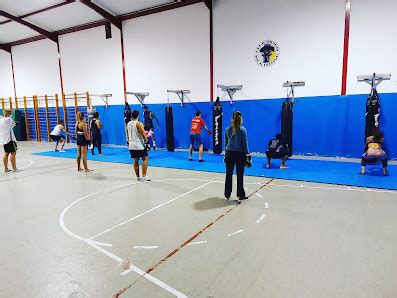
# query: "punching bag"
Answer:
x=169 y=120
x=372 y=113
x=217 y=127
x=286 y=123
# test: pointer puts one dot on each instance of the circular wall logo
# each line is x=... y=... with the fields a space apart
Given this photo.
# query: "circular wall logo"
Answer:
x=267 y=53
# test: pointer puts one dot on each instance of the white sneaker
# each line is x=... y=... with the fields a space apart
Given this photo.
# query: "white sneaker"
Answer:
x=62 y=151
x=146 y=179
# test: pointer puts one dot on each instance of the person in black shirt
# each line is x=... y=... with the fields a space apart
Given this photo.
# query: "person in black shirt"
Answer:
x=96 y=136
x=277 y=149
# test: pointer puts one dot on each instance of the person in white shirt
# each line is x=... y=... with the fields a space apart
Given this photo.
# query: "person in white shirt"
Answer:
x=137 y=144
x=8 y=140
x=56 y=135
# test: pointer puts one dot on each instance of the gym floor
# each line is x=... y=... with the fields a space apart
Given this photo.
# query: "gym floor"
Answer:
x=64 y=234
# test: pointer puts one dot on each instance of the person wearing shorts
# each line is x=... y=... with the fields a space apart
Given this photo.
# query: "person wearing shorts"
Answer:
x=56 y=135
x=83 y=140
x=8 y=140
x=148 y=117
x=137 y=142
x=195 y=136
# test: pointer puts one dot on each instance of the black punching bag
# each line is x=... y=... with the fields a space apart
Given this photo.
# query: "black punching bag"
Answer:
x=169 y=120
x=217 y=127
x=372 y=113
x=286 y=123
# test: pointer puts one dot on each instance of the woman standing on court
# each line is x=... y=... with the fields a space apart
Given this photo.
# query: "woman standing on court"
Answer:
x=83 y=140
x=96 y=135
x=236 y=144
x=137 y=144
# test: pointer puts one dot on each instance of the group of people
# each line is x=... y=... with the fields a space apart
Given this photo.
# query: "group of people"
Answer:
x=138 y=134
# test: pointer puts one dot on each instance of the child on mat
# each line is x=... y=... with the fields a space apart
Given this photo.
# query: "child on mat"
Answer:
x=195 y=135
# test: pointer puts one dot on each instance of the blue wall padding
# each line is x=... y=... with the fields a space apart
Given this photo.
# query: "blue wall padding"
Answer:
x=325 y=126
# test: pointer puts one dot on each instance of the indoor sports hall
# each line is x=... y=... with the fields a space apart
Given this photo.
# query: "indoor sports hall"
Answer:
x=198 y=148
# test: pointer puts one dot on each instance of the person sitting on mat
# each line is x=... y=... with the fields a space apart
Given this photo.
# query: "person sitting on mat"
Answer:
x=236 y=144
x=148 y=117
x=374 y=152
x=195 y=135
x=56 y=135
x=277 y=149
x=137 y=144
x=96 y=136
x=83 y=140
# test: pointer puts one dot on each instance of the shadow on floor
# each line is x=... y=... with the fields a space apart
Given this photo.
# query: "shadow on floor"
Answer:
x=211 y=203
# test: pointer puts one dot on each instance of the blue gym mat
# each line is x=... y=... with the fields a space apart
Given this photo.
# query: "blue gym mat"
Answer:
x=331 y=172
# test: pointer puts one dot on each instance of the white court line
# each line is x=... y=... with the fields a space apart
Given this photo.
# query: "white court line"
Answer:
x=147 y=211
x=261 y=218
x=161 y=205
x=101 y=243
x=267 y=205
x=95 y=245
x=30 y=163
x=145 y=247
x=323 y=187
x=197 y=242
x=259 y=195
x=235 y=233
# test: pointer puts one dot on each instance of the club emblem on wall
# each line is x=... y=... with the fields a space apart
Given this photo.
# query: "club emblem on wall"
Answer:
x=267 y=53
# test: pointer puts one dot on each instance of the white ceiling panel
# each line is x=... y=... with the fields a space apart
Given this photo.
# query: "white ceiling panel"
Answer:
x=119 y=7
x=70 y=15
x=13 y=31
x=22 y=7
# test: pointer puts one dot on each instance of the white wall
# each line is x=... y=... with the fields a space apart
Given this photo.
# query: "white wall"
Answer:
x=373 y=43
x=310 y=36
x=169 y=50
x=90 y=62
x=6 y=83
x=36 y=68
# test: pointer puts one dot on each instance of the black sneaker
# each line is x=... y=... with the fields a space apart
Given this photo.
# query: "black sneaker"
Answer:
x=201 y=160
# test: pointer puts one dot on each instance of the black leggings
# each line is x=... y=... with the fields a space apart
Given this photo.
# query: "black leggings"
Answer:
x=97 y=142
x=234 y=158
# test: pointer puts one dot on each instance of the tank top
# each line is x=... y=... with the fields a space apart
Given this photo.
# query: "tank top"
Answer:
x=148 y=121
x=56 y=131
x=79 y=131
x=94 y=128
x=136 y=141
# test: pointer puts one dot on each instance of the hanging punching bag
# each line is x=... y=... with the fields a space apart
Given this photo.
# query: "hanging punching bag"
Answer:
x=169 y=120
x=372 y=113
x=217 y=127
x=286 y=123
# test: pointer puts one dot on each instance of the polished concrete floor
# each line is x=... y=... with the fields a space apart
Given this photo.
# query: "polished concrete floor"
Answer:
x=64 y=234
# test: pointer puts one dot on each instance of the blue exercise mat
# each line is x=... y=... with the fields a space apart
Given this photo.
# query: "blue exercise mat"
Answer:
x=331 y=172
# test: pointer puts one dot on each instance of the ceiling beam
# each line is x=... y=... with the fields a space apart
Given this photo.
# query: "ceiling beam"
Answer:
x=40 y=10
x=42 y=31
x=208 y=3
x=158 y=9
x=108 y=16
x=5 y=47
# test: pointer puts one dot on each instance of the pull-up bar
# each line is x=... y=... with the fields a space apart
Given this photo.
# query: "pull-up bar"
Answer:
x=181 y=95
x=292 y=85
x=140 y=96
x=103 y=97
x=231 y=90
x=374 y=80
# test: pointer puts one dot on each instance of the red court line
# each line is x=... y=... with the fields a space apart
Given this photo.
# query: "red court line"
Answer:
x=176 y=250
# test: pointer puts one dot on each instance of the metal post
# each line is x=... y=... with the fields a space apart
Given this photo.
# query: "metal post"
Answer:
x=76 y=105
x=65 y=116
x=47 y=118
x=26 y=119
